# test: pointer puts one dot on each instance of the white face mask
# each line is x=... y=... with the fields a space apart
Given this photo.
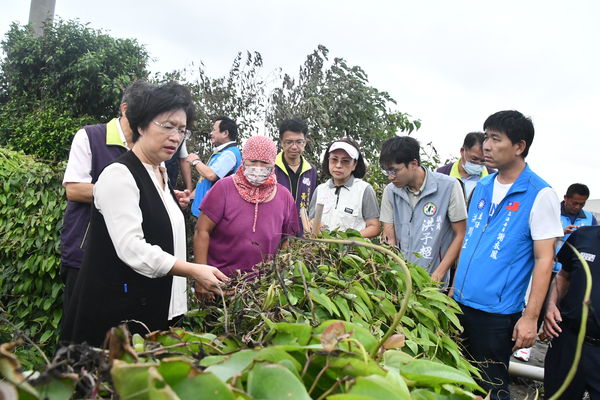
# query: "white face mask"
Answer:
x=257 y=175
x=472 y=168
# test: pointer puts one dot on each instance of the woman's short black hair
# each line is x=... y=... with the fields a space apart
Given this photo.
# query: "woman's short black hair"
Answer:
x=147 y=101
x=361 y=168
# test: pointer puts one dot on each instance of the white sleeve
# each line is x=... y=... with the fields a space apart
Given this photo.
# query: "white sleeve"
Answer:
x=117 y=196
x=457 y=208
x=183 y=153
x=79 y=166
x=313 y=204
x=387 y=209
x=544 y=219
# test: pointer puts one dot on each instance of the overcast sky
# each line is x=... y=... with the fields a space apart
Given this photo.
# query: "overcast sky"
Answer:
x=449 y=63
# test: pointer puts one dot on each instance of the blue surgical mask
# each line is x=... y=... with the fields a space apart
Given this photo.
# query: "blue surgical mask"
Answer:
x=472 y=168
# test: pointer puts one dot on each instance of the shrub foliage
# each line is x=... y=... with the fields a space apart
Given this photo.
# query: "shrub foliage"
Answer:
x=31 y=213
x=55 y=81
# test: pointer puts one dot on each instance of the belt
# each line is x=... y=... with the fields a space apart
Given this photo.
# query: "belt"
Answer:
x=591 y=340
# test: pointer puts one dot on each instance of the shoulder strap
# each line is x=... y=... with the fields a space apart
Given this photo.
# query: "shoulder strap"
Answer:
x=230 y=145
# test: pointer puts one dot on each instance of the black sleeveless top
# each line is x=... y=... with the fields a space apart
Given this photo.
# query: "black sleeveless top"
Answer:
x=108 y=291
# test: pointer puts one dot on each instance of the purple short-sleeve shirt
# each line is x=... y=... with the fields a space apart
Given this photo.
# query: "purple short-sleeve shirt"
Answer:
x=233 y=245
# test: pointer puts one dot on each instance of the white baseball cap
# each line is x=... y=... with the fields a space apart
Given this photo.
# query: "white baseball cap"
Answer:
x=347 y=147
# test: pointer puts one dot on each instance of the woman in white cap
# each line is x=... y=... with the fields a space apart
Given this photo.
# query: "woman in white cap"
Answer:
x=348 y=201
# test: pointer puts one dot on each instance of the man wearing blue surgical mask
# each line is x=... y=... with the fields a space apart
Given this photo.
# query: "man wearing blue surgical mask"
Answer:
x=469 y=168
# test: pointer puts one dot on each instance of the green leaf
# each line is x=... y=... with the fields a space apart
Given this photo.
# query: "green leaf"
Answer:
x=278 y=355
x=358 y=289
x=430 y=373
x=354 y=365
x=423 y=394
x=274 y=382
x=233 y=365
x=387 y=307
x=379 y=387
x=290 y=333
x=323 y=300
x=427 y=313
x=362 y=309
x=174 y=370
x=158 y=388
x=342 y=305
x=46 y=336
x=205 y=386
x=131 y=380
x=356 y=332
x=57 y=389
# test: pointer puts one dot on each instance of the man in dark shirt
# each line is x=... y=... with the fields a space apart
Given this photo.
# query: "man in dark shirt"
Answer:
x=563 y=318
x=292 y=170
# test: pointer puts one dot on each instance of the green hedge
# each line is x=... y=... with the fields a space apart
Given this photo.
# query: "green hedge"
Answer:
x=46 y=132
x=32 y=204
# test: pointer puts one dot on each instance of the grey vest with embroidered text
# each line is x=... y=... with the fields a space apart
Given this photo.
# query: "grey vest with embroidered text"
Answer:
x=424 y=233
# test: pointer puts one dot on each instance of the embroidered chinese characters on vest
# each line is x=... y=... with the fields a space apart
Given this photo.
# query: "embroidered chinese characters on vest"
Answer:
x=424 y=232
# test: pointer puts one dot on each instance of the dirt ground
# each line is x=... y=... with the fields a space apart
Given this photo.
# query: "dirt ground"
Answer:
x=522 y=388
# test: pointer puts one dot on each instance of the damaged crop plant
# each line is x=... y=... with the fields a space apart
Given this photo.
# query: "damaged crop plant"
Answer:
x=336 y=320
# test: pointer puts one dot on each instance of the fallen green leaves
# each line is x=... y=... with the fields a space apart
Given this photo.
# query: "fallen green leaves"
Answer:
x=333 y=364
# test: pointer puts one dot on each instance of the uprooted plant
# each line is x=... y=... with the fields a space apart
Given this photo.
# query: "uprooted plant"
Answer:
x=312 y=282
x=340 y=320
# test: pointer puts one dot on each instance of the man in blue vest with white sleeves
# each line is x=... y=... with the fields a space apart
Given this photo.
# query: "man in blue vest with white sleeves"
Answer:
x=572 y=214
x=224 y=161
x=512 y=227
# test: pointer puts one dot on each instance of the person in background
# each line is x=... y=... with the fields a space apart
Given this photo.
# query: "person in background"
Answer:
x=423 y=212
x=513 y=224
x=93 y=148
x=179 y=163
x=563 y=319
x=348 y=201
x=469 y=168
x=572 y=216
x=246 y=217
x=135 y=256
x=293 y=171
x=224 y=161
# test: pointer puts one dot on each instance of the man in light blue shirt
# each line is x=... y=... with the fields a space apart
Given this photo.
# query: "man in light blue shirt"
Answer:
x=224 y=161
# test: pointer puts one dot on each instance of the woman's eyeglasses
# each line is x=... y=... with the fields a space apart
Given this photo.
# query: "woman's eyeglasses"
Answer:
x=170 y=129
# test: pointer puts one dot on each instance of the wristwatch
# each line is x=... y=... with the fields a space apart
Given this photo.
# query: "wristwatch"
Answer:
x=195 y=162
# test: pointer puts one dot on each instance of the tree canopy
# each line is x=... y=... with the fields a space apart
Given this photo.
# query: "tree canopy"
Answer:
x=72 y=73
x=336 y=100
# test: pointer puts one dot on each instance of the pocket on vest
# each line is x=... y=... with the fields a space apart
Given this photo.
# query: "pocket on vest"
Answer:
x=485 y=287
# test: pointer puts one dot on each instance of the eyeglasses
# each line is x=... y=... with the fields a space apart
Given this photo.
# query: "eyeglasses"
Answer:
x=290 y=143
x=343 y=161
x=390 y=172
x=172 y=129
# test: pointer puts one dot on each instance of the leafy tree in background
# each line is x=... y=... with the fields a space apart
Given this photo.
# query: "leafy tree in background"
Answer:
x=72 y=74
x=239 y=95
x=336 y=100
